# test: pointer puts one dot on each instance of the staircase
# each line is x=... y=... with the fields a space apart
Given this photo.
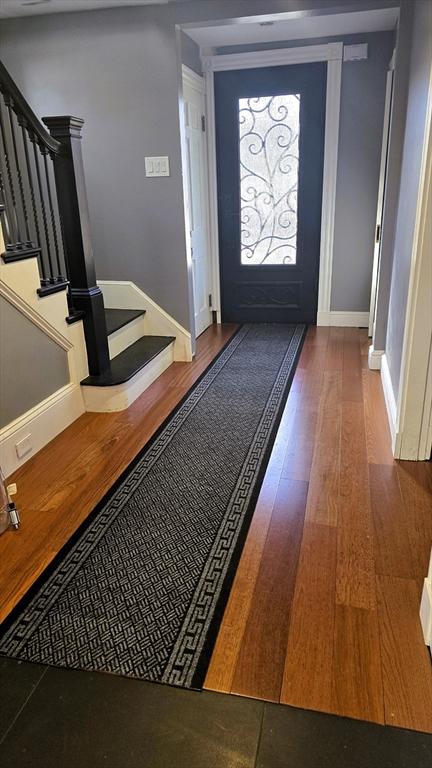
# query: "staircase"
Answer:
x=136 y=359
x=44 y=218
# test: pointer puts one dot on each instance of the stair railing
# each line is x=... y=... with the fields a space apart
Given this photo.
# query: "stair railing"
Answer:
x=44 y=210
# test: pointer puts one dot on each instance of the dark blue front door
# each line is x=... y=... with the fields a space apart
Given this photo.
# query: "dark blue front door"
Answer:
x=270 y=148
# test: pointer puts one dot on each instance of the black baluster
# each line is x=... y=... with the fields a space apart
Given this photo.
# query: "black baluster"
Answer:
x=10 y=191
x=8 y=103
x=25 y=138
x=42 y=202
x=3 y=215
x=52 y=215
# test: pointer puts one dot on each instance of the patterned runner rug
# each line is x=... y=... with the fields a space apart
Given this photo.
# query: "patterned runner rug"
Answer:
x=141 y=588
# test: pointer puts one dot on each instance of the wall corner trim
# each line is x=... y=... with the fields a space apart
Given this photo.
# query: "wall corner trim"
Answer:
x=426 y=612
x=374 y=358
x=390 y=402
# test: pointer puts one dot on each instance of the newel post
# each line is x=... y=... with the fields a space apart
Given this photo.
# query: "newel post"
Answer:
x=74 y=215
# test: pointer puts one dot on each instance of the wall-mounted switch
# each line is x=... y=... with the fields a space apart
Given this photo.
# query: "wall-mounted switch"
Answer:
x=157 y=166
x=23 y=446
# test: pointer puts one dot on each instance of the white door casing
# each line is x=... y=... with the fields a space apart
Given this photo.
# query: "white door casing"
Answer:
x=332 y=54
x=413 y=428
x=380 y=202
x=197 y=185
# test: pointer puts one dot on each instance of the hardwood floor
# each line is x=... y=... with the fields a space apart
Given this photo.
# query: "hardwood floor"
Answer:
x=60 y=486
x=323 y=612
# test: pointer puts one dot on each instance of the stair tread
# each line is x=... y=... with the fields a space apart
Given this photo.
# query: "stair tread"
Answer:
x=117 y=318
x=125 y=365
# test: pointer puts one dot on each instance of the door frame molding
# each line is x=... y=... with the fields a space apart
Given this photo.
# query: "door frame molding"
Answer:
x=197 y=82
x=413 y=418
x=332 y=54
x=381 y=192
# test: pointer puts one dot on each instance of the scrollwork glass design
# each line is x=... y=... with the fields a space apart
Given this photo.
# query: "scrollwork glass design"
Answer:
x=269 y=157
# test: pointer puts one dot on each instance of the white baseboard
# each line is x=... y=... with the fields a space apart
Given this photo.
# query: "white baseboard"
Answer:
x=43 y=422
x=123 y=294
x=344 y=319
x=390 y=399
x=117 y=398
x=374 y=358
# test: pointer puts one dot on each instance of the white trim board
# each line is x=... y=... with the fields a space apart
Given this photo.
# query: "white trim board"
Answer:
x=414 y=407
x=31 y=314
x=390 y=399
x=192 y=79
x=123 y=294
x=44 y=422
x=346 y=319
x=331 y=53
x=426 y=608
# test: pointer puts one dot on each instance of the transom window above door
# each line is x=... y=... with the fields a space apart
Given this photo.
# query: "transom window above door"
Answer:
x=269 y=128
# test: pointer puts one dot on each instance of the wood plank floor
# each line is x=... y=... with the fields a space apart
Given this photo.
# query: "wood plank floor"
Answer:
x=60 y=486
x=323 y=613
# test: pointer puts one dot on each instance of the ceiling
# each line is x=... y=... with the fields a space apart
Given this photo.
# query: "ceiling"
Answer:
x=356 y=22
x=11 y=8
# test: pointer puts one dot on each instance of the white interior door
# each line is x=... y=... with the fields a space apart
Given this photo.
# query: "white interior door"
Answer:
x=380 y=203
x=194 y=110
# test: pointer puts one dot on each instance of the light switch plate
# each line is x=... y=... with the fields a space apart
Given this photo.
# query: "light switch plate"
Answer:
x=157 y=166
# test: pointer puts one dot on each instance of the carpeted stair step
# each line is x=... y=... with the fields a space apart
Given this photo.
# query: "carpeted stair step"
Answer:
x=117 y=318
x=129 y=362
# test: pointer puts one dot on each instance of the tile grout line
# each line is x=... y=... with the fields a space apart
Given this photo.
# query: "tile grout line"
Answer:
x=22 y=707
x=264 y=704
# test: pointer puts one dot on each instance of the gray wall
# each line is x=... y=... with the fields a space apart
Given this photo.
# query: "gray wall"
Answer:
x=419 y=75
x=360 y=139
x=32 y=366
x=118 y=69
x=190 y=53
x=395 y=148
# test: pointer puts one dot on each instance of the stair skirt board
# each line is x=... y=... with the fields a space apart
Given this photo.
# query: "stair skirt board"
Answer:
x=123 y=337
x=121 y=396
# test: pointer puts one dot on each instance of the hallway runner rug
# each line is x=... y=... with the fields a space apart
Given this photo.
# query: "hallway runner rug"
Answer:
x=140 y=589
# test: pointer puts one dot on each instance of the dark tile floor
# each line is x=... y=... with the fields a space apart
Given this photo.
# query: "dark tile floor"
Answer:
x=53 y=718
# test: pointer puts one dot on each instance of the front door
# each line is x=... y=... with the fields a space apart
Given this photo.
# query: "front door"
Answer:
x=270 y=149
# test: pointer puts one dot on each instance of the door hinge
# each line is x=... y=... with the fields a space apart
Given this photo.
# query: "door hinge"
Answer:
x=378 y=233
x=210 y=301
x=203 y=123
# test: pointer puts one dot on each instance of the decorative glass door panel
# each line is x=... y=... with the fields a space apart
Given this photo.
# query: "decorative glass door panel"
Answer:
x=270 y=149
x=269 y=128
